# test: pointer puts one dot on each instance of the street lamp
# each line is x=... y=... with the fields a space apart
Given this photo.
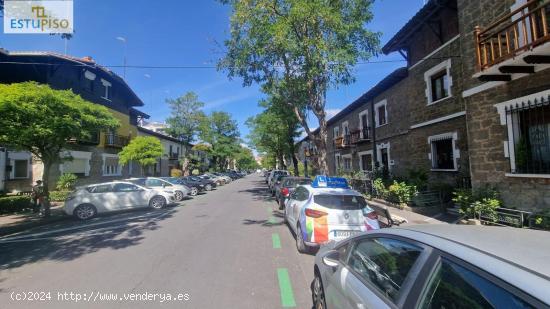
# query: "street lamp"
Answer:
x=123 y=40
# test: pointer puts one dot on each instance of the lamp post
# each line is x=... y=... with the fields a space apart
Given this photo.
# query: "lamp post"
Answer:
x=123 y=40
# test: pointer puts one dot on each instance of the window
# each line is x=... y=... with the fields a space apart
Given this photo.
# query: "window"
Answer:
x=343 y=202
x=347 y=162
x=438 y=82
x=337 y=161
x=364 y=124
x=443 y=154
x=383 y=155
x=302 y=194
x=21 y=169
x=336 y=132
x=111 y=166
x=125 y=187
x=100 y=189
x=76 y=162
x=366 y=161
x=381 y=113
x=453 y=286
x=345 y=128
x=385 y=263
x=107 y=86
x=88 y=81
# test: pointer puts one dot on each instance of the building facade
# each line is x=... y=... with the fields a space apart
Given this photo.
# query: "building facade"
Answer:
x=93 y=160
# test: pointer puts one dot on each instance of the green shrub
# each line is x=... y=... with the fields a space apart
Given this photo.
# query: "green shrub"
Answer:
x=10 y=204
x=401 y=192
x=472 y=203
x=66 y=181
x=418 y=177
x=59 y=196
x=380 y=188
x=541 y=220
x=176 y=173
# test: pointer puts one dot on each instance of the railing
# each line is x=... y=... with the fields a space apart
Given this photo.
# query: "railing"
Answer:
x=342 y=141
x=114 y=140
x=173 y=156
x=516 y=32
x=92 y=140
x=360 y=135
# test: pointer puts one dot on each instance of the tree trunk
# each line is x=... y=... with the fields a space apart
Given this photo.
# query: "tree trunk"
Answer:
x=185 y=166
x=46 y=182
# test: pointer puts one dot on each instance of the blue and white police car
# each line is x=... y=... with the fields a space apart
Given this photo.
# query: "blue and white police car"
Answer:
x=327 y=210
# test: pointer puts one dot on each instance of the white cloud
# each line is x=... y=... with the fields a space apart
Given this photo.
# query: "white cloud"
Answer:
x=331 y=112
x=229 y=99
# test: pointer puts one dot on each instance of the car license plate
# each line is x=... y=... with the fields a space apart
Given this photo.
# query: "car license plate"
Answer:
x=344 y=234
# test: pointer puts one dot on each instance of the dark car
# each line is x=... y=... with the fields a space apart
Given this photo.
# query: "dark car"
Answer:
x=277 y=179
x=209 y=184
x=196 y=187
x=287 y=186
x=234 y=175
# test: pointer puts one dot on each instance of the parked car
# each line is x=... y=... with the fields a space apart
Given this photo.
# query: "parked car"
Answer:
x=272 y=175
x=286 y=187
x=194 y=186
x=86 y=202
x=226 y=178
x=234 y=175
x=217 y=179
x=180 y=190
x=209 y=184
x=277 y=182
x=435 y=266
x=327 y=210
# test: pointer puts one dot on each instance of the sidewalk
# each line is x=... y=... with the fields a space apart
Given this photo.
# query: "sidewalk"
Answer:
x=13 y=223
x=412 y=217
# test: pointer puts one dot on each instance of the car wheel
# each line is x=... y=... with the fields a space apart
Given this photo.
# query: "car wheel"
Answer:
x=194 y=191
x=208 y=187
x=318 y=293
x=157 y=202
x=85 y=211
x=300 y=245
x=178 y=196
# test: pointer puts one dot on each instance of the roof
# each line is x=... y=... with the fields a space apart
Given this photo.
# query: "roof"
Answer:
x=159 y=135
x=139 y=113
x=389 y=81
x=523 y=246
x=86 y=62
x=397 y=41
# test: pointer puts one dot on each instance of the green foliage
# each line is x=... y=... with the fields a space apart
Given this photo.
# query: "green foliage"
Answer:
x=483 y=200
x=145 y=150
x=186 y=117
x=176 y=173
x=59 y=196
x=11 y=204
x=401 y=192
x=418 y=177
x=380 y=188
x=245 y=159
x=541 y=220
x=39 y=119
x=221 y=132
x=66 y=181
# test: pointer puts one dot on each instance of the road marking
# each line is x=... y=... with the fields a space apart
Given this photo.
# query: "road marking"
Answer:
x=285 y=287
x=271 y=220
x=269 y=209
x=276 y=241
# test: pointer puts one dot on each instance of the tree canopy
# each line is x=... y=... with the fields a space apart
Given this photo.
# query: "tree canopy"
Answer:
x=299 y=49
x=245 y=159
x=145 y=150
x=186 y=117
x=41 y=120
x=221 y=132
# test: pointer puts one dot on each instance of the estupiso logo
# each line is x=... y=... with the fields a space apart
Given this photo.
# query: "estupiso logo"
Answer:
x=46 y=16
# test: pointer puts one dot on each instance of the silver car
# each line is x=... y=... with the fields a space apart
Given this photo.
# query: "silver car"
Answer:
x=435 y=266
x=163 y=184
x=86 y=202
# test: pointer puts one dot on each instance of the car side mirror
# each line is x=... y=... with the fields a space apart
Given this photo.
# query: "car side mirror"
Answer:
x=164 y=185
x=332 y=259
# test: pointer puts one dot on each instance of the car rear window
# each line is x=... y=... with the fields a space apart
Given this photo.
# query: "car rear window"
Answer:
x=344 y=202
x=100 y=189
x=293 y=183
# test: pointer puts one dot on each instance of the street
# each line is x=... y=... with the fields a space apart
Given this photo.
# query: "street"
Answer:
x=226 y=249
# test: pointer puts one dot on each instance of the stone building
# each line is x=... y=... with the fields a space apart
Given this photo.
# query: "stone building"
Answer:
x=505 y=53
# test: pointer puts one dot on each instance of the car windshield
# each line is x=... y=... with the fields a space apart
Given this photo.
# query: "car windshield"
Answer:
x=293 y=182
x=172 y=180
x=342 y=202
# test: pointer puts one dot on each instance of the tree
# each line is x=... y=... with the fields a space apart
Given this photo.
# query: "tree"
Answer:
x=245 y=159
x=299 y=49
x=145 y=150
x=39 y=119
x=184 y=122
x=222 y=134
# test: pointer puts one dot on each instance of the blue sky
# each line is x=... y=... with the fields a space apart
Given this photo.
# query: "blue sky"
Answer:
x=186 y=33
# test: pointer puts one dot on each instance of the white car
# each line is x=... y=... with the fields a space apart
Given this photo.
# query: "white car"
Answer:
x=327 y=210
x=180 y=191
x=272 y=174
x=86 y=202
x=217 y=179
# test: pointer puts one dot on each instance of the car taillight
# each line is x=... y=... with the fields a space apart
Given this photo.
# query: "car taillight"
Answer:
x=372 y=215
x=285 y=191
x=315 y=213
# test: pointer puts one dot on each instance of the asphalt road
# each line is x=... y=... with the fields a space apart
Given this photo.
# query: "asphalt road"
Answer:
x=226 y=249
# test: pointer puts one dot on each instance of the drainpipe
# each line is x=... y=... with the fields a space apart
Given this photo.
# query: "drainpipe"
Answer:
x=373 y=138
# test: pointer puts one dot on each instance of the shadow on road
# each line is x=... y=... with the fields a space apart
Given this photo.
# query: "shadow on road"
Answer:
x=259 y=194
x=80 y=240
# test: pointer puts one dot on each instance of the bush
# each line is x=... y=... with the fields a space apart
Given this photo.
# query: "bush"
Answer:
x=418 y=178
x=472 y=203
x=12 y=204
x=59 y=196
x=541 y=220
x=380 y=188
x=176 y=173
x=401 y=192
x=66 y=181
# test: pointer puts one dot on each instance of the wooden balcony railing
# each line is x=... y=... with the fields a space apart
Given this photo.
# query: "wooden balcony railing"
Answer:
x=117 y=141
x=516 y=32
x=343 y=141
x=360 y=135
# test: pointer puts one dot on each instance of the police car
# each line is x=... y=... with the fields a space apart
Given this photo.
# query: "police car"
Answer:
x=327 y=210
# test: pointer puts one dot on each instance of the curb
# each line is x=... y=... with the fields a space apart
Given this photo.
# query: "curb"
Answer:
x=4 y=231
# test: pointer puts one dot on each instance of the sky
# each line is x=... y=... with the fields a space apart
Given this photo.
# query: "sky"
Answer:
x=191 y=33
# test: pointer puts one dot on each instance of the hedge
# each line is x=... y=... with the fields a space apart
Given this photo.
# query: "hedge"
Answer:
x=59 y=196
x=12 y=204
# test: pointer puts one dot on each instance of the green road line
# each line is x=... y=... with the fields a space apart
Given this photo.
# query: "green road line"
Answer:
x=285 y=287
x=269 y=209
x=276 y=241
x=271 y=220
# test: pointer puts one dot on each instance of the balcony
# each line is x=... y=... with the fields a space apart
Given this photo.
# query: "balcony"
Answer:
x=93 y=140
x=342 y=142
x=360 y=135
x=116 y=141
x=517 y=43
x=173 y=156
